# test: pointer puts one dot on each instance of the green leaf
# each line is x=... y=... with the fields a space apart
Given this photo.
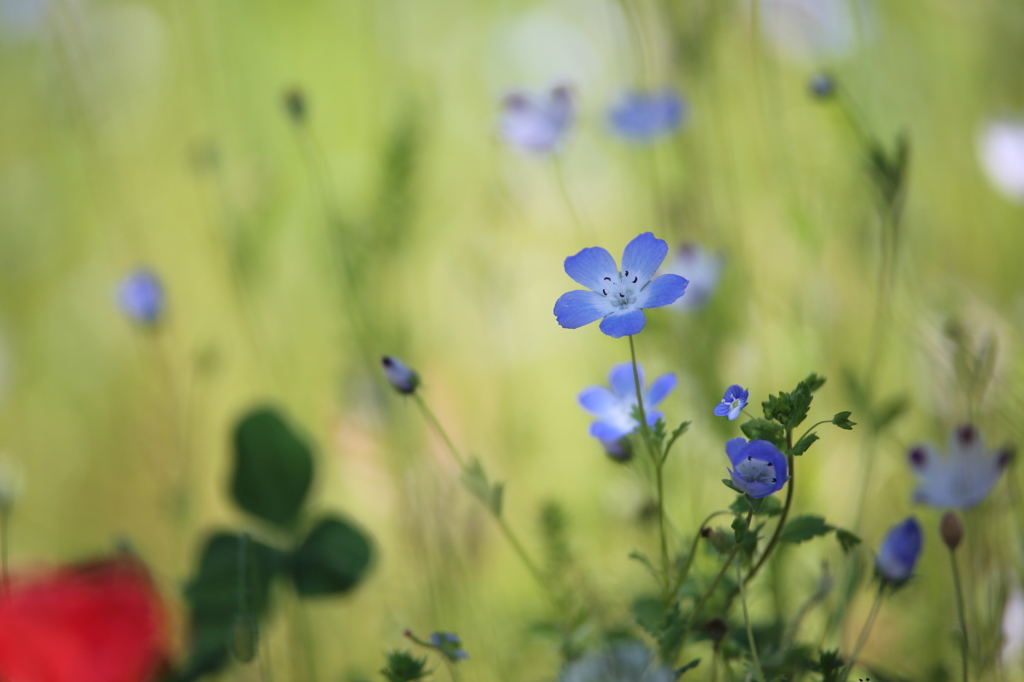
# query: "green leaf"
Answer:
x=332 y=559
x=804 y=528
x=847 y=540
x=802 y=444
x=762 y=429
x=402 y=666
x=642 y=558
x=842 y=420
x=813 y=382
x=232 y=579
x=741 y=505
x=888 y=411
x=475 y=479
x=273 y=468
x=732 y=486
x=766 y=506
x=680 y=430
x=689 y=666
x=739 y=527
x=800 y=405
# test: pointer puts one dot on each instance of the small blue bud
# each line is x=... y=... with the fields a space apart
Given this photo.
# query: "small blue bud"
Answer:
x=899 y=551
x=620 y=450
x=399 y=375
x=822 y=86
x=141 y=296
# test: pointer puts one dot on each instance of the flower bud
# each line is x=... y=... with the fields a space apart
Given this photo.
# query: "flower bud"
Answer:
x=951 y=529
x=399 y=375
x=295 y=105
x=822 y=86
x=899 y=551
x=141 y=296
x=620 y=450
x=720 y=540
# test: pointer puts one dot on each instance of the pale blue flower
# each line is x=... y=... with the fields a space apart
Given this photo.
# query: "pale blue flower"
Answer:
x=449 y=645
x=733 y=402
x=614 y=408
x=962 y=479
x=623 y=662
x=758 y=468
x=537 y=123
x=141 y=296
x=618 y=298
x=642 y=116
x=701 y=269
x=899 y=551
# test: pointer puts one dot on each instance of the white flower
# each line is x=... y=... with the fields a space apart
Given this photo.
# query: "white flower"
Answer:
x=630 y=662
x=701 y=268
x=964 y=478
x=1001 y=151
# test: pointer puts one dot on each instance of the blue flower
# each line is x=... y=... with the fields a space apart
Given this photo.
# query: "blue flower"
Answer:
x=758 y=468
x=964 y=478
x=449 y=645
x=618 y=298
x=643 y=116
x=701 y=269
x=399 y=374
x=141 y=296
x=614 y=408
x=822 y=86
x=899 y=551
x=733 y=402
x=537 y=123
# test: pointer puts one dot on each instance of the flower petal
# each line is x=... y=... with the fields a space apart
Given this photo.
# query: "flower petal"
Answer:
x=618 y=325
x=722 y=409
x=578 y=308
x=765 y=451
x=590 y=266
x=663 y=290
x=622 y=382
x=603 y=430
x=597 y=400
x=734 y=412
x=643 y=256
x=660 y=388
x=734 y=448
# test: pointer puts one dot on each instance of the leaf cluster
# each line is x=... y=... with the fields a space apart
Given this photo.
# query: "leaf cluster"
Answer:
x=402 y=666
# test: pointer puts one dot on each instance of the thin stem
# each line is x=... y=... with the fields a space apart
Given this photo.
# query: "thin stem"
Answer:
x=440 y=429
x=960 y=610
x=750 y=630
x=812 y=427
x=782 y=517
x=563 y=187
x=864 y=631
x=658 y=464
x=684 y=574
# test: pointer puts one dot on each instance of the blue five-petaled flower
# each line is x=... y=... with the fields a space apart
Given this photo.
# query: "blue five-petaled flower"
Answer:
x=733 y=402
x=615 y=297
x=449 y=645
x=758 y=468
x=614 y=408
x=899 y=551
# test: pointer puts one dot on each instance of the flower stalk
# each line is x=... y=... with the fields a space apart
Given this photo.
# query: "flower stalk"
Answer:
x=865 y=631
x=782 y=517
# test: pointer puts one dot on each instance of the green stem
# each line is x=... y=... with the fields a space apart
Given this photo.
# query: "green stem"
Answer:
x=684 y=574
x=864 y=632
x=782 y=517
x=440 y=429
x=960 y=610
x=750 y=630
x=813 y=426
x=658 y=464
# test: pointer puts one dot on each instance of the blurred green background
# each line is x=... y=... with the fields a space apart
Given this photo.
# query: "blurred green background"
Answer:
x=156 y=133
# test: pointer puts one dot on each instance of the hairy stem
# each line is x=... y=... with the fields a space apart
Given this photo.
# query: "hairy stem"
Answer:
x=864 y=631
x=960 y=611
x=750 y=630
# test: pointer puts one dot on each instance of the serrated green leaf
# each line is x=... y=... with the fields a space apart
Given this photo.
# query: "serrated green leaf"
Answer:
x=332 y=559
x=814 y=382
x=740 y=505
x=767 y=506
x=847 y=540
x=801 y=445
x=842 y=420
x=804 y=528
x=800 y=404
x=642 y=558
x=273 y=468
x=679 y=431
x=762 y=429
x=689 y=666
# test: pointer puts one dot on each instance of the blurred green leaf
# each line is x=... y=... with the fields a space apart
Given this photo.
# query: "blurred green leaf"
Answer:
x=273 y=468
x=804 y=528
x=801 y=445
x=475 y=479
x=842 y=420
x=402 y=666
x=762 y=429
x=331 y=560
x=847 y=540
x=888 y=411
x=689 y=666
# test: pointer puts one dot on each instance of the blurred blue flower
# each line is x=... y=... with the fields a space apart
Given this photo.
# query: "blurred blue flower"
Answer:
x=964 y=478
x=641 y=116
x=141 y=296
x=618 y=298
x=449 y=645
x=537 y=123
x=614 y=408
x=1001 y=151
x=758 y=468
x=620 y=450
x=399 y=375
x=822 y=85
x=733 y=402
x=899 y=551
x=623 y=662
x=701 y=269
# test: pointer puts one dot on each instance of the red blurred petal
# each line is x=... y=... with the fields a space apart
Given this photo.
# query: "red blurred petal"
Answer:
x=99 y=623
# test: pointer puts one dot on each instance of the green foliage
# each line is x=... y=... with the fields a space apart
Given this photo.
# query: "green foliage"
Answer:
x=763 y=429
x=800 y=447
x=847 y=540
x=273 y=468
x=554 y=529
x=842 y=420
x=475 y=479
x=642 y=558
x=679 y=431
x=332 y=559
x=887 y=412
x=830 y=665
x=889 y=170
x=402 y=666
x=689 y=666
x=804 y=528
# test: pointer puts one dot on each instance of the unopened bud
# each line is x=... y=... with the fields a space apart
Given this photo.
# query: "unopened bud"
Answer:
x=721 y=541
x=399 y=375
x=620 y=450
x=822 y=86
x=951 y=529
